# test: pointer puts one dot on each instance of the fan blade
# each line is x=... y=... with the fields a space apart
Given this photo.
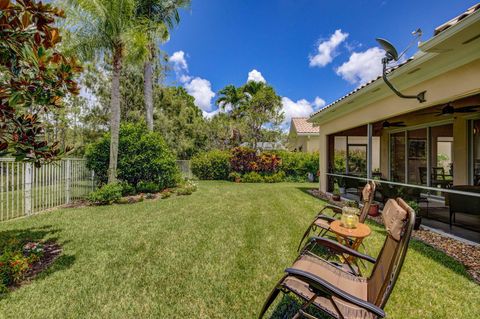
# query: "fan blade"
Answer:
x=467 y=109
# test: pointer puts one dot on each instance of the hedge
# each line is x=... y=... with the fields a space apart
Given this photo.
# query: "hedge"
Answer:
x=212 y=165
x=246 y=165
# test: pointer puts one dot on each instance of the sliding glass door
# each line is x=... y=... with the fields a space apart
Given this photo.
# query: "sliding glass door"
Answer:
x=419 y=154
x=397 y=157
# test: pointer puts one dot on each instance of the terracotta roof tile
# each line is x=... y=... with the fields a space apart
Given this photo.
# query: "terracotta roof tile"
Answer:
x=303 y=127
x=457 y=19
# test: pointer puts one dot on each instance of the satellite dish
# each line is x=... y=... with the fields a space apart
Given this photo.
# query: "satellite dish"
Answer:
x=392 y=53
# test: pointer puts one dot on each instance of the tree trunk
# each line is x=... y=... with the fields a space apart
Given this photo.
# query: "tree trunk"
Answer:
x=148 y=90
x=115 y=114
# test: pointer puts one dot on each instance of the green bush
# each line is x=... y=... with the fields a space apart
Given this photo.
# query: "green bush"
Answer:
x=234 y=177
x=299 y=164
x=143 y=156
x=16 y=259
x=106 y=195
x=252 y=177
x=274 y=178
x=127 y=189
x=212 y=165
x=148 y=187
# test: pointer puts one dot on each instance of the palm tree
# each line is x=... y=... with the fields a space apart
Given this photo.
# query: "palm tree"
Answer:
x=100 y=29
x=231 y=100
x=157 y=16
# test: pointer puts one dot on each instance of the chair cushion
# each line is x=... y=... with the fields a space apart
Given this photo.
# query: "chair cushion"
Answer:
x=394 y=217
x=356 y=286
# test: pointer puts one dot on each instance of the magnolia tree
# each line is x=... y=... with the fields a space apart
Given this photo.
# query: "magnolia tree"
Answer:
x=34 y=78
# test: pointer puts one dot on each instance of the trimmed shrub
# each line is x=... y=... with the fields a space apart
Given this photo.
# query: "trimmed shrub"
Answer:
x=244 y=160
x=274 y=178
x=269 y=163
x=148 y=187
x=235 y=177
x=212 y=165
x=106 y=195
x=143 y=156
x=252 y=177
x=127 y=189
x=298 y=164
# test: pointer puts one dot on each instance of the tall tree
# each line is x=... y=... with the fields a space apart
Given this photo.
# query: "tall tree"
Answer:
x=254 y=105
x=157 y=16
x=231 y=100
x=101 y=29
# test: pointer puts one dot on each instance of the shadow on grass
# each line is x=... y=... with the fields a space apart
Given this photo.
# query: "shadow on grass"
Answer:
x=306 y=189
x=439 y=257
x=46 y=234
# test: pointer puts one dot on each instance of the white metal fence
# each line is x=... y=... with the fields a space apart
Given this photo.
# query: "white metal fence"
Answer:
x=26 y=189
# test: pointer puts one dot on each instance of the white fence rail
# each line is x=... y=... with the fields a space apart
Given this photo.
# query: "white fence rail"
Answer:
x=26 y=189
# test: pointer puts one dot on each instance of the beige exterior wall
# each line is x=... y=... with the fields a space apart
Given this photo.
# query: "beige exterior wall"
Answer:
x=308 y=144
x=452 y=85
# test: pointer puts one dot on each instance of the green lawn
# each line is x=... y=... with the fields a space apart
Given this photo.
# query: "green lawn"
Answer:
x=214 y=254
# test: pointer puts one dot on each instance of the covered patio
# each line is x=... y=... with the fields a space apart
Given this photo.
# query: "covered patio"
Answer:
x=426 y=152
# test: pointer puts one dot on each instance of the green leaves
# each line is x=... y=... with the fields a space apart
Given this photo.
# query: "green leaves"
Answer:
x=34 y=78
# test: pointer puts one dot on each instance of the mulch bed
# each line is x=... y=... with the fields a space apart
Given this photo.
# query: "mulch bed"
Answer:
x=51 y=251
x=466 y=254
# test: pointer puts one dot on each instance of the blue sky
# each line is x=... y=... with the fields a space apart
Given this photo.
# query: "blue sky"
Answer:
x=306 y=49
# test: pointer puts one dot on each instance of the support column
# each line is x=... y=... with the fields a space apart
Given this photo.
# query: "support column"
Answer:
x=369 y=150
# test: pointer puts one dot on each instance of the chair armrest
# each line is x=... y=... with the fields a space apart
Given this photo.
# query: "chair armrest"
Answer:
x=324 y=288
x=327 y=218
x=336 y=209
x=328 y=243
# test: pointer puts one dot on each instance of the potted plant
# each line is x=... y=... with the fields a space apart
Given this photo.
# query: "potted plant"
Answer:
x=341 y=185
x=418 y=219
x=374 y=210
x=336 y=194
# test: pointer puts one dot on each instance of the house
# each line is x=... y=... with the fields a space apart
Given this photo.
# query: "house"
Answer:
x=432 y=147
x=266 y=146
x=303 y=136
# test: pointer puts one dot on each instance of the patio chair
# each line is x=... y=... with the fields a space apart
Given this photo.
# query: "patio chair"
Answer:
x=322 y=221
x=334 y=290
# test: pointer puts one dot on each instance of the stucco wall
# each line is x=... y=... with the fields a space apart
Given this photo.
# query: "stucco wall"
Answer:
x=449 y=86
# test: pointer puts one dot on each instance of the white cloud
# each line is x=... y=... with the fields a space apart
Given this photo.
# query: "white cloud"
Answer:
x=362 y=66
x=179 y=62
x=326 y=49
x=201 y=90
x=319 y=103
x=256 y=76
x=185 y=78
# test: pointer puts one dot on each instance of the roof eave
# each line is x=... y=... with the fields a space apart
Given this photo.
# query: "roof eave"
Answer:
x=449 y=32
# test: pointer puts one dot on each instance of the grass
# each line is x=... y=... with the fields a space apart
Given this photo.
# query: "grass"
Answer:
x=214 y=254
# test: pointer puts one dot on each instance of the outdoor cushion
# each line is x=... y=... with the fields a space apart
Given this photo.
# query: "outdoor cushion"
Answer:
x=348 y=310
x=356 y=286
x=351 y=284
x=394 y=217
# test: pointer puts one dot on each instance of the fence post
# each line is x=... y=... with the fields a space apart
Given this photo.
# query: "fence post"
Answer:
x=28 y=188
x=68 y=171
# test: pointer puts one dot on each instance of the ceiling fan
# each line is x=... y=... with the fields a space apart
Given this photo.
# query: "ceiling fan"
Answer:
x=448 y=109
x=387 y=124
